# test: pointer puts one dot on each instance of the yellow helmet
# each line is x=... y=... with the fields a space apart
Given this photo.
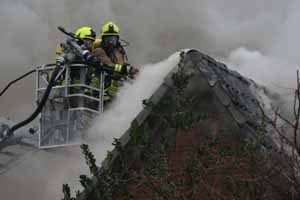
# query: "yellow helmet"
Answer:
x=86 y=33
x=110 y=28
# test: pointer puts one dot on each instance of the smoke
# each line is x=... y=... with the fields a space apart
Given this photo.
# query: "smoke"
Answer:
x=214 y=27
x=21 y=46
x=286 y=45
x=117 y=119
x=155 y=30
x=267 y=30
x=278 y=75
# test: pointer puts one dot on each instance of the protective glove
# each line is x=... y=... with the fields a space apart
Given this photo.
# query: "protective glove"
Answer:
x=87 y=56
x=131 y=71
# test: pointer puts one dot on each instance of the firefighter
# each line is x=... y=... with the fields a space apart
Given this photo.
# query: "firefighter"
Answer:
x=66 y=54
x=112 y=55
x=88 y=36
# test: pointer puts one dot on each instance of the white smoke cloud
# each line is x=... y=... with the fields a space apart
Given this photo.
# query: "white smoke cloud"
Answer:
x=117 y=119
x=286 y=44
x=278 y=75
x=266 y=29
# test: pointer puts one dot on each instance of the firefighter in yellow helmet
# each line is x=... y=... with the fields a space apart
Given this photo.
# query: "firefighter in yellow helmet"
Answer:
x=112 y=54
x=65 y=53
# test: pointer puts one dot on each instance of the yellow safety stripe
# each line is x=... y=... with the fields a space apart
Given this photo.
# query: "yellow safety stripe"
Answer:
x=118 y=67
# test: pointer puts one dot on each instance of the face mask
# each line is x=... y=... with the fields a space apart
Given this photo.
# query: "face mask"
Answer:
x=111 y=41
